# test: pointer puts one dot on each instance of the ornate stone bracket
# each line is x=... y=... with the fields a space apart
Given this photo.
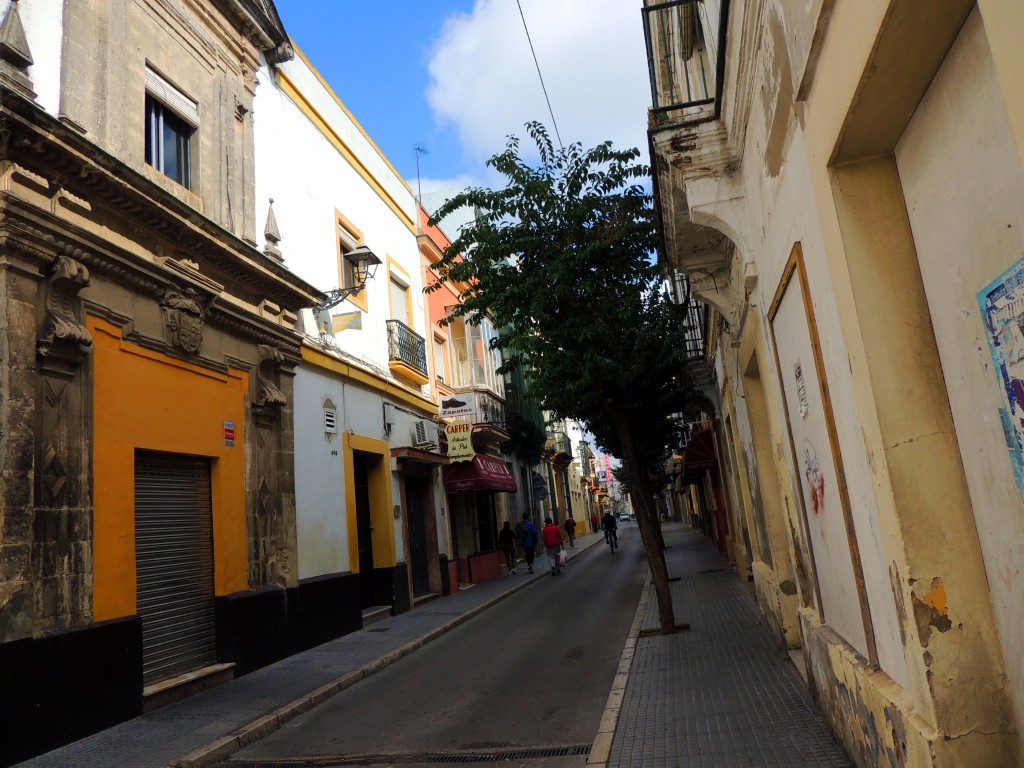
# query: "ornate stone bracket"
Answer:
x=267 y=373
x=64 y=335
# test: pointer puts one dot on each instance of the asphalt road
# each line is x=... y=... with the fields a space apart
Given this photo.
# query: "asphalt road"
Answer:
x=531 y=673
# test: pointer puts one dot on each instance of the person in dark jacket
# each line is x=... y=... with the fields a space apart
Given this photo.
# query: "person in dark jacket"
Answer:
x=570 y=530
x=507 y=545
x=528 y=538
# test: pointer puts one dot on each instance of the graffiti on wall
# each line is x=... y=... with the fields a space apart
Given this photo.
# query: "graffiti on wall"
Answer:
x=1002 y=308
x=815 y=478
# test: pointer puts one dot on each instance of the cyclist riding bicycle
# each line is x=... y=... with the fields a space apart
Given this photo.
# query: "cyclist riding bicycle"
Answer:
x=610 y=526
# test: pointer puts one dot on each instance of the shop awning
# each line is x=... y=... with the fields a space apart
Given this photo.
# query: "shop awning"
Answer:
x=483 y=473
x=700 y=453
x=418 y=456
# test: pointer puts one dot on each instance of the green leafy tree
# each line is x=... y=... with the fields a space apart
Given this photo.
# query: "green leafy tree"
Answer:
x=560 y=259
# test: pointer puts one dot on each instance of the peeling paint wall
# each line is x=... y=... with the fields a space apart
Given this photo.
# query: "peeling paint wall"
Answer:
x=803 y=156
x=868 y=718
x=978 y=217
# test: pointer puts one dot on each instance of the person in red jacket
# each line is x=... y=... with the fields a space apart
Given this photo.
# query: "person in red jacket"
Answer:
x=551 y=535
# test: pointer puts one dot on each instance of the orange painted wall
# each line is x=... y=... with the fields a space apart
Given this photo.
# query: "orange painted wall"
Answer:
x=446 y=296
x=143 y=399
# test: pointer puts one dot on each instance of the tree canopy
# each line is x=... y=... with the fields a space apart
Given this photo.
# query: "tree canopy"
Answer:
x=561 y=259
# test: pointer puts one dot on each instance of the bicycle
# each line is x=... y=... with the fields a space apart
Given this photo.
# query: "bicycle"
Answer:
x=611 y=538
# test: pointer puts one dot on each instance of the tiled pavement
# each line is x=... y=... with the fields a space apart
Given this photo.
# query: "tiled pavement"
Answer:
x=723 y=694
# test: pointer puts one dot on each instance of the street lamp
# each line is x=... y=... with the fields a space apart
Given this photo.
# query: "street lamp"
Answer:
x=364 y=264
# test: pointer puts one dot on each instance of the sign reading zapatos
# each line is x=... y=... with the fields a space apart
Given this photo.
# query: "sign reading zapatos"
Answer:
x=461 y=405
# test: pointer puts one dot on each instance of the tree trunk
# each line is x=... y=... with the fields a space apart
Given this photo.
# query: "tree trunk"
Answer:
x=647 y=521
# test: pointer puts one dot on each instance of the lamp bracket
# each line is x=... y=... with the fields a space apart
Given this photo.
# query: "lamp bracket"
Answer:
x=334 y=297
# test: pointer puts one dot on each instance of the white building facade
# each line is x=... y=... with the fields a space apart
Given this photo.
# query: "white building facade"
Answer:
x=369 y=515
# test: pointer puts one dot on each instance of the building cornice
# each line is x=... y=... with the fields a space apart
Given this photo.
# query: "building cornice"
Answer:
x=64 y=162
x=259 y=21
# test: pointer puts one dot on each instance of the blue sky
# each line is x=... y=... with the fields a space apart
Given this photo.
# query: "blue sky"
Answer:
x=456 y=76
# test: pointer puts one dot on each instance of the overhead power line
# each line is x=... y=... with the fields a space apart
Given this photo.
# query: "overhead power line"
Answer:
x=539 y=75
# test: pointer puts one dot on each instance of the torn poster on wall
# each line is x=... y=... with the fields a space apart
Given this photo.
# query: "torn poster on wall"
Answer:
x=1002 y=308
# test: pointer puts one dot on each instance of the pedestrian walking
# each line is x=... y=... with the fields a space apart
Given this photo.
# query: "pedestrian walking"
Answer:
x=507 y=545
x=610 y=526
x=570 y=530
x=552 y=536
x=527 y=533
x=593 y=521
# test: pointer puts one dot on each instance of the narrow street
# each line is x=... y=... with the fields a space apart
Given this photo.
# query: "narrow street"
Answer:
x=530 y=675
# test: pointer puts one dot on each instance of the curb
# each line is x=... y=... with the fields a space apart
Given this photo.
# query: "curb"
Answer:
x=600 y=750
x=221 y=749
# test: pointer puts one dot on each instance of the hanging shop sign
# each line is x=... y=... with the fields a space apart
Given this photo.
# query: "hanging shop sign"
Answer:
x=460 y=441
x=459 y=405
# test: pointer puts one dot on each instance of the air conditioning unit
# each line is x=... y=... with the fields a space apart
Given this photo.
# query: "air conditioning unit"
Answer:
x=424 y=434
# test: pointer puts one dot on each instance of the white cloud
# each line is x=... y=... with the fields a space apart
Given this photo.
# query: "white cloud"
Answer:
x=484 y=85
x=457 y=183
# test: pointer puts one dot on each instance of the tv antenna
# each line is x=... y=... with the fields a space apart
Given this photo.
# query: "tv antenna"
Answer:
x=419 y=191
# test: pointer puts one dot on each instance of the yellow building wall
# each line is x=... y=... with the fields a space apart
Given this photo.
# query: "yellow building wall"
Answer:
x=385 y=551
x=146 y=400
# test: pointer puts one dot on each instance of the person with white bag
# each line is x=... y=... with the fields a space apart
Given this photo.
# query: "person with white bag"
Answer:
x=551 y=535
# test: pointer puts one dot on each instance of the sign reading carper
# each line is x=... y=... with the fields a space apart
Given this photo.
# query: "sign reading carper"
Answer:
x=460 y=441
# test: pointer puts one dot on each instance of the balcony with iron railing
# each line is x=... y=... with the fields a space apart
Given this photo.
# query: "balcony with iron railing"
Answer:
x=407 y=353
x=686 y=59
x=558 y=447
x=563 y=445
x=489 y=417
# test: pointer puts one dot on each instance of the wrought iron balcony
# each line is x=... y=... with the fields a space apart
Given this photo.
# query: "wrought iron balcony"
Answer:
x=696 y=314
x=407 y=352
x=563 y=444
x=490 y=410
x=486 y=411
x=686 y=58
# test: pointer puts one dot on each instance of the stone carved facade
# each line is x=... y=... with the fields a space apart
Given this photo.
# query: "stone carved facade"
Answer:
x=183 y=318
x=133 y=321
x=271 y=532
x=64 y=326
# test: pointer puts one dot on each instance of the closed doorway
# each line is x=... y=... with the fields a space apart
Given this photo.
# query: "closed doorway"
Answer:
x=415 y=489
x=364 y=530
x=174 y=564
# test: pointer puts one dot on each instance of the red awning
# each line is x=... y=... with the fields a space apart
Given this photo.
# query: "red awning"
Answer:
x=483 y=473
x=700 y=452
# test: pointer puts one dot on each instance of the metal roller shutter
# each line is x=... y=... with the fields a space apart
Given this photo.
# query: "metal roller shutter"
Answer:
x=174 y=564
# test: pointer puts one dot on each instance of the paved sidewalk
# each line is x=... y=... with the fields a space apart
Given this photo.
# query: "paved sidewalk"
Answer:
x=210 y=726
x=723 y=694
